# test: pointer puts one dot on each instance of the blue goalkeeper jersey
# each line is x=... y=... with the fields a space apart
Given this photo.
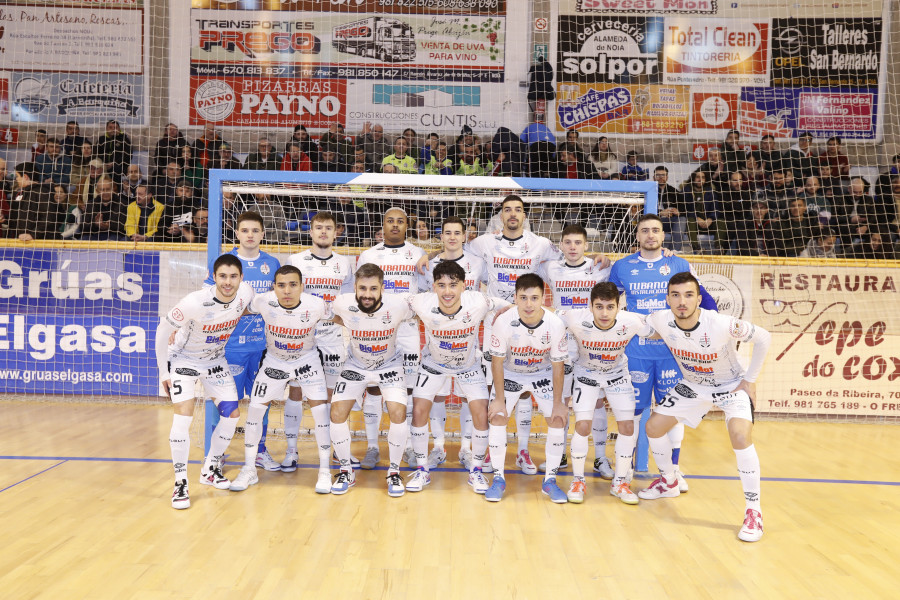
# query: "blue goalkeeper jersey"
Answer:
x=644 y=283
x=250 y=335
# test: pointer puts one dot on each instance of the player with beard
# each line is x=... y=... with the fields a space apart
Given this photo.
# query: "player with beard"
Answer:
x=398 y=259
x=705 y=345
x=373 y=320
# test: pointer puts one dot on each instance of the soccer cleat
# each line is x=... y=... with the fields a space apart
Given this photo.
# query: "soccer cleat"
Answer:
x=495 y=492
x=477 y=481
x=180 y=498
x=682 y=482
x=550 y=488
x=265 y=461
x=623 y=492
x=354 y=462
x=563 y=463
x=465 y=459
x=576 y=491
x=395 y=485
x=418 y=480
x=323 y=482
x=215 y=478
x=437 y=456
x=245 y=479
x=343 y=481
x=660 y=488
x=752 y=529
x=289 y=464
x=409 y=457
x=486 y=465
x=524 y=462
x=370 y=459
x=601 y=465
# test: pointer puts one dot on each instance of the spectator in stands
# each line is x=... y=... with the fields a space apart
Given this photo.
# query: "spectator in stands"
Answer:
x=471 y=232
x=186 y=199
x=197 y=231
x=114 y=149
x=672 y=211
x=510 y=154
x=533 y=133
x=85 y=190
x=801 y=159
x=206 y=146
x=143 y=219
x=755 y=176
x=330 y=160
x=821 y=246
x=431 y=142
x=758 y=239
x=699 y=198
x=71 y=143
x=81 y=164
x=854 y=213
x=412 y=141
x=7 y=183
x=735 y=205
x=295 y=159
x=105 y=215
x=632 y=171
x=335 y=138
x=40 y=143
x=132 y=180
x=709 y=216
x=33 y=214
x=377 y=147
x=354 y=217
x=768 y=157
x=307 y=145
x=605 y=160
x=70 y=228
x=226 y=159
x=875 y=245
x=404 y=163
x=53 y=166
x=884 y=183
x=167 y=149
x=714 y=169
x=191 y=169
x=378 y=236
x=470 y=163
x=164 y=187
x=778 y=194
x=815 y=199
x=573 y=164
x=891 y=201
x=836 y=160
x=733 y=154
x=360 y=156
x=796 y=228
x=423 y=236
x=265 y=158
x=573 y=136
x=274 y=218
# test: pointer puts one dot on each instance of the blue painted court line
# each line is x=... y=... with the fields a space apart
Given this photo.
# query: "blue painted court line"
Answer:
x=446 y=470
x=33 y=476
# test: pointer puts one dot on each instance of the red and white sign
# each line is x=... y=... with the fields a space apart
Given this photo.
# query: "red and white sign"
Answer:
x=713 y=51
x=9 y=135
x=541 y=24
x=756 y=123
x=700 y=153
x=836 y=111
x=710 y=110
x=253 y=102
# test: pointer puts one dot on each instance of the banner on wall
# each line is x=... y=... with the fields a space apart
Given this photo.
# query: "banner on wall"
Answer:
x=716 y=52
x=627 y=108
x=824 y=112
x=609 y=49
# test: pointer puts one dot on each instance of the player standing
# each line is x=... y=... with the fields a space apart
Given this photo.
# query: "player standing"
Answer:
x=202 y=323
x=704 y=344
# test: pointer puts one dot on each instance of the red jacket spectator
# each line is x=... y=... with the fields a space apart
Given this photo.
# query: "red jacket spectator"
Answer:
x=295 y=159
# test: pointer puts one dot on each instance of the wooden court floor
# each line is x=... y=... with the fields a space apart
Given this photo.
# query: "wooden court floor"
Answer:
x=85 y=513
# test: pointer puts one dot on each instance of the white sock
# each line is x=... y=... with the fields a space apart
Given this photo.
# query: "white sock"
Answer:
x=398 y=436
x=479 y=447
x=497 y=443
x=293 y=414
x=579 y=453
x=465 y=427
x=676 y=436
x=372 y=418
x=253 y=431
x=748 y=469
x=221 y=438
x=340 y=441
x=662 y=454
x=180 y=444
x=322 y=420
x=599 y=431
x=409 y=413
x=554 y=448
x=523 y=423
x=419 y=437
x=438 y=418
x=624 y=451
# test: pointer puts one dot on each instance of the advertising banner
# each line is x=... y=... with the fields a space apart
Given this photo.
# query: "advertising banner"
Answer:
x=90 y=99
x=824 y=112
x=627 y=109
x=716 y=52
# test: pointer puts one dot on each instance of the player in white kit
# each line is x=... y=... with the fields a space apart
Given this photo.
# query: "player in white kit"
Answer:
x=452 y=316
x=202 y=322
x=528 y=350
x=704 y=344
x=398 y=260
x=373 y=320
x=571 y=279
x=326 y=274
x=453 y=235
x=291 y=318
x=601 y=333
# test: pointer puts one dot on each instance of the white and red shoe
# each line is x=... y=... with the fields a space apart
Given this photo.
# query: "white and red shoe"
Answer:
x=524 y=462
x=660 y=488
x=752 y=529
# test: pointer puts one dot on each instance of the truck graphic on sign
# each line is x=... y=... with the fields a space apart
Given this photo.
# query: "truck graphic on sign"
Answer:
x=388 y=40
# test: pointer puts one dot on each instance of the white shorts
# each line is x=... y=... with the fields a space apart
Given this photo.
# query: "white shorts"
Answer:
x=517 y=385
x=470 y=384
x=217 y=380
x=568 y=380
x=274 y=374
x=590 y=387
x=333 y=359
x=689 y=403
x=352 y=383
x=410 y=344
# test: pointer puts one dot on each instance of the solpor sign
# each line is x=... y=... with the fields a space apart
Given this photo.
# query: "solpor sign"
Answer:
x=617 y=49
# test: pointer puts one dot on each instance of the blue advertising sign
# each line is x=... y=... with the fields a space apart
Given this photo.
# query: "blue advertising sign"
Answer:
x=851 y=113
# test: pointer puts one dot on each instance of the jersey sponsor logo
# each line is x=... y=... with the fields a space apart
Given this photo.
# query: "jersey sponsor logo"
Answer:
x=453 y=346
x=351 y=375
x=217 y=327
x=507 y=277
x=373 y=348
x=236 y=369
x=273 y=303
x=331 y=358
x=541 y=383
x=527 y=362
x=650 y=304
x=209 y=303
x=603 y=345
x=698 y=356
x=187 y=372
x=603 y=357
x=668 y=374
x=289 y=345
x=511 y=386
x=396 y=285
x=575 y=301
x=215 y=339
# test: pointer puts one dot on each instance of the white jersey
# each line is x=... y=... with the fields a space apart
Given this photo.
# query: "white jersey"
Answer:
x=471 y=264
x=707 y=354
x=451 y=341
x=290 y=333
x=506 y=259
x=527 y=349
x=325 y=278
x=398 y=264
x=599 y=350
x=571 y=286
x=204 y=324
x=373 y=336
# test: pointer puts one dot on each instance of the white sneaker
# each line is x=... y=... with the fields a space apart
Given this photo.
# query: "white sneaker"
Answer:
x=323 y=482
x=395 y=485
x=524 y=462
x=245 y=479
x=289 y=464
x=214 y=478
x=623 y=492
x=437 y=456
x=601 y=465
x=576 y=490
x=486 y=466
x=660 y=488
x=478 y=482
x=265 y=461
x=682 y=482
x=180 y=498
x=343 y=481
x=409 y=457
x=373 y=455
x=752 y=529
x=417 y=481
x=465 y=459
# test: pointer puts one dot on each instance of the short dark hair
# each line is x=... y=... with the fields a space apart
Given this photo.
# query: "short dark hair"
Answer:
x=528 y=281
x=605 y=290
x=449 y=268
x=648 y=217
x=454 y=220
x=512 y=198
x=228 y=260
x=661 y=168
x=768 y=136
x=324 y=215
x=26 y=169
x=835 y=138
x=250 y=215
x=287 y=270
x=370 y=270
x=683 y=277
x=574 y=229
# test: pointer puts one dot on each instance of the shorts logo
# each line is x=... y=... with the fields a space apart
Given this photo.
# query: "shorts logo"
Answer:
x=187 y=372
x=302 y=370
x=511 y=386
x=640 y=376
x=214 y=370
x=275 y=373
x=567 y=369
x=236 y=369
x=685 y=391
x=587 y=381
x=431 y=370
x=351 y=375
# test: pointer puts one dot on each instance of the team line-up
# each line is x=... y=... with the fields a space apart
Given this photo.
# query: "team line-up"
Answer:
x=346 y=334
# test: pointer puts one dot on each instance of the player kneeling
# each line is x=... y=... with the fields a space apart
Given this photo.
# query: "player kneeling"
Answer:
x=704 y=344
x=602 y=333
x=291 y=355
